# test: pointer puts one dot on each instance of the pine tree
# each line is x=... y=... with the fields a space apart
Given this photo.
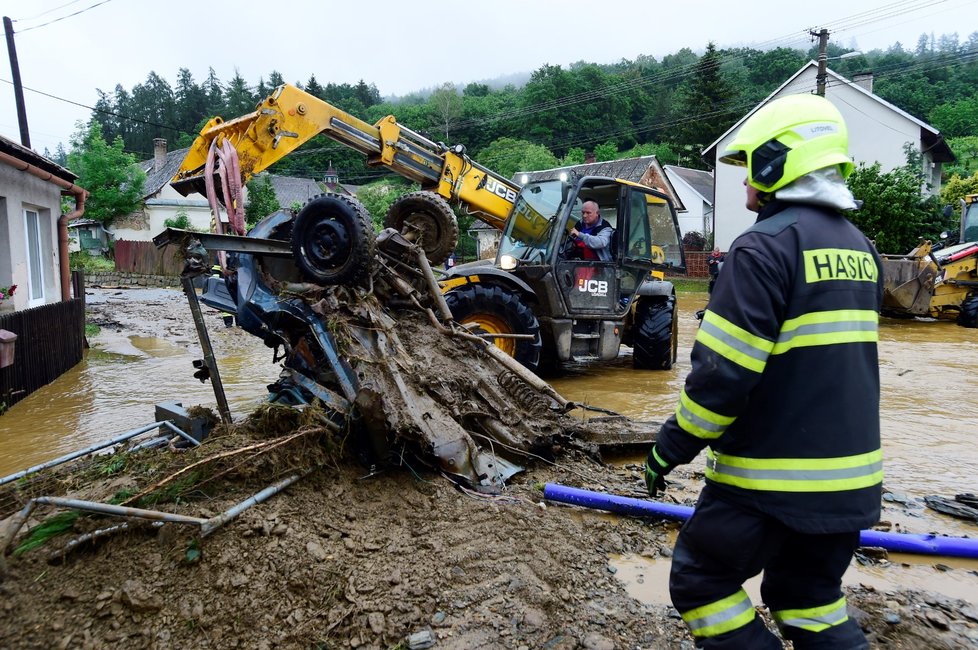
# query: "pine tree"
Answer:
x=705 y=109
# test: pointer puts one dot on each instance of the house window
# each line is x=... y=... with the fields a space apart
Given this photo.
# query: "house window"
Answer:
x=35 y=269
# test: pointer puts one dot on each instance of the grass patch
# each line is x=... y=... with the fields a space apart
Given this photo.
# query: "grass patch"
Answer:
x=91 y=329
x=59 y=524
x=90 y=263
x=690 y=285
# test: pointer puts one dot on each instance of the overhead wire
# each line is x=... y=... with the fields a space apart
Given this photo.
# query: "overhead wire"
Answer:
x=51 y=22
x=44 y=13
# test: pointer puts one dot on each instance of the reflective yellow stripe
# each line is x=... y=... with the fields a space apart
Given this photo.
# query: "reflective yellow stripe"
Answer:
x=733 y=342
x=828 y=328
x=839 y=264
x=814 y=619
x=721 y=616
x=700 y=421
x=796 y=474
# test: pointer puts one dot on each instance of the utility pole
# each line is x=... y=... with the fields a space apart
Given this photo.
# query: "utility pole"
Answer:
x=823 y=46
x=25 y=136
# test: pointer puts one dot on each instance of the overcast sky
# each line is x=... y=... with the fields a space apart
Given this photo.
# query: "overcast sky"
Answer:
x=402 y=46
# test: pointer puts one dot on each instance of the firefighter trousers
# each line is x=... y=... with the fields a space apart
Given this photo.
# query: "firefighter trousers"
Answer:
x=723 y=544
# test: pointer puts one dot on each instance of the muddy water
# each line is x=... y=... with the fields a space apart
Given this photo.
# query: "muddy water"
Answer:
x=929 y=416
x=114 y=390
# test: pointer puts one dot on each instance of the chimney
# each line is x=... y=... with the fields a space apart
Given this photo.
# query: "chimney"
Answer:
x=159 y=154
x=589 y=158
x=864 y=80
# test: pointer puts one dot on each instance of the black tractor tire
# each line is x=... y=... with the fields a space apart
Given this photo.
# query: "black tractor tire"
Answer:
x=655 y=343
x=498 y=310
x=968 y=316
x=333 y=240
x=426 y=219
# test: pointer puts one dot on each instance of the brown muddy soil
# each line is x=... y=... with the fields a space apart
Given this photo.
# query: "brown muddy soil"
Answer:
x=349 y=557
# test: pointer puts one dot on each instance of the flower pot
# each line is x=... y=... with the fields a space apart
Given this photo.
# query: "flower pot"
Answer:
x=7 y=342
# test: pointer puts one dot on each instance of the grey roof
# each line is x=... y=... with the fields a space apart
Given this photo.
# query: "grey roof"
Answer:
x=30 y=156
x=157 y=180
x=701 y=181
x=289 y=190
x=644 y=170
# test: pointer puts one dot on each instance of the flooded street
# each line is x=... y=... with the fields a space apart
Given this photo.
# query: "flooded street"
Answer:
x=121 y=378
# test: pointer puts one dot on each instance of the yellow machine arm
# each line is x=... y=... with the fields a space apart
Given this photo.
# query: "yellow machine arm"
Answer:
x=291 y=117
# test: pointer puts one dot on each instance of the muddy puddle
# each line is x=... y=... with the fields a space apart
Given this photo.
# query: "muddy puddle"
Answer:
x=114 y=390
x=647 y=579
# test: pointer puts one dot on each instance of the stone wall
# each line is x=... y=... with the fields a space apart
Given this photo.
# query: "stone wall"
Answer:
x=125 y=279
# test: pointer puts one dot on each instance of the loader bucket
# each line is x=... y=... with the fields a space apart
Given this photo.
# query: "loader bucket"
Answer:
x=908 y=285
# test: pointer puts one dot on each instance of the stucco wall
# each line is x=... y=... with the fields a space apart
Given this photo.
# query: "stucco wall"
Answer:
x=876 y=133
x=20 y=191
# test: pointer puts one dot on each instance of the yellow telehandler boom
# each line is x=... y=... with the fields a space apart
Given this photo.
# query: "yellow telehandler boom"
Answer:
x=290 y=117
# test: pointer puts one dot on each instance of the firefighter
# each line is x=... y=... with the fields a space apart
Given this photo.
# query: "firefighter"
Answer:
x=784 y=393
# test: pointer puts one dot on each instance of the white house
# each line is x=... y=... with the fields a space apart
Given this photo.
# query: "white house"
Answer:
x=160 y=201
x=33 y=231
x=695 y=190
x=878 y=132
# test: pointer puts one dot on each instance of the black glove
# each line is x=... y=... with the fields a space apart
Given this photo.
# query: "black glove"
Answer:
x=655 y=472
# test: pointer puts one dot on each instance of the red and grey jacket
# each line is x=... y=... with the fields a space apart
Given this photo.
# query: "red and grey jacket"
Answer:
x=785 y=386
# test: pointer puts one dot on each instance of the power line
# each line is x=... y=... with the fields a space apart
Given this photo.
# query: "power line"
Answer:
x=104 y=111
x=51 y=22
x=44 y=13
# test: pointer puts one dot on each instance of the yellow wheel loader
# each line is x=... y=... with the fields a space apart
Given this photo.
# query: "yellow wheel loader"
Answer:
x=937 y=280
x=532 y=298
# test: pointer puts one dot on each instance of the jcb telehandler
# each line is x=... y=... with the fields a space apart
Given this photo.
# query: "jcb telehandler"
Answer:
x=937 y=280
x=533 y=298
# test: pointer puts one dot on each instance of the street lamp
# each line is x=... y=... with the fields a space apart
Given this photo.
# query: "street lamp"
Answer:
x=820 y=76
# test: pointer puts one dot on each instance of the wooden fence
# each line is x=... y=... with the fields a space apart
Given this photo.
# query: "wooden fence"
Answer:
x=145 y=258
x=50 y=339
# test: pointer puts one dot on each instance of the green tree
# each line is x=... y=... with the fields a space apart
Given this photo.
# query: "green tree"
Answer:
x=574 y=156
x=958 y=118
x=966 y=151
x=606 y=151
x=261 y=199
x=506 y=156
x=446 y=105
x=378 y=196
x=705 y=106
x=114 y=181
x=239 y=99
x=957 y=188
x=895 y=213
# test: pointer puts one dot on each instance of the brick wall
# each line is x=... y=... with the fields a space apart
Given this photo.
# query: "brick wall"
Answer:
x=697 y=264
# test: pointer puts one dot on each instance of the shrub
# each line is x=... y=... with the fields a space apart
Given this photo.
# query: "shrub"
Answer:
x=694 y=241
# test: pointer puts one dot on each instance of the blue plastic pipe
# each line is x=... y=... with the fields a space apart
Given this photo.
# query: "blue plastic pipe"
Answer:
x=896 y=542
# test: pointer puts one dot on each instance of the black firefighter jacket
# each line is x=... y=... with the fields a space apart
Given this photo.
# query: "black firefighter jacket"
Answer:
x=784 y=388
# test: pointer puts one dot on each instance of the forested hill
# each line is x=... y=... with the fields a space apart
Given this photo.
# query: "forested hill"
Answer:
x=671 y=107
